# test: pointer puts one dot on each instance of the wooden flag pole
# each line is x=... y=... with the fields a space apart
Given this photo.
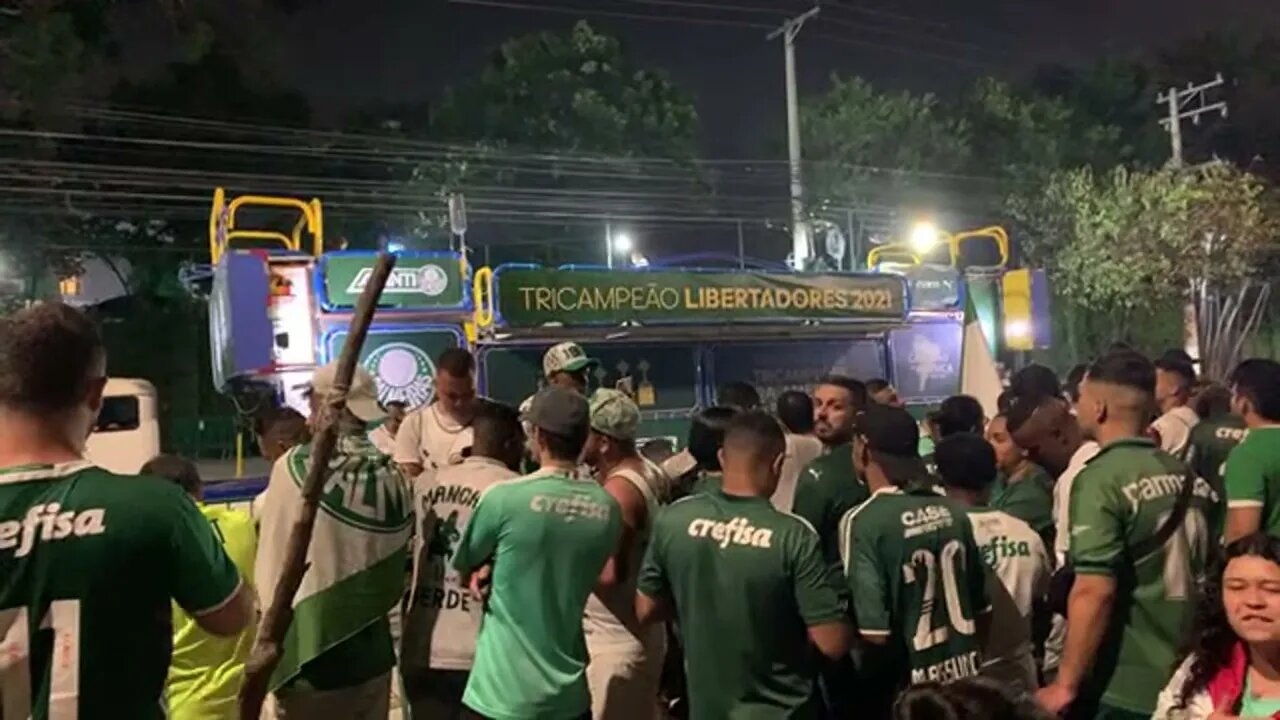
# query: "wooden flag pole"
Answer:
x=275 y=621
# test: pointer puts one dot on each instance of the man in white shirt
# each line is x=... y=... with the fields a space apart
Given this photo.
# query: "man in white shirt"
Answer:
x=439 y=638
x=1014 y=552
x=1050 y=434
x=1175 y=380
x=625 y=663
x=383 y=437
x=439 y=434
x=795 y=411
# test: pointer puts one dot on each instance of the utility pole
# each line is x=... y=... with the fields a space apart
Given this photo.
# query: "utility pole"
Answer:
x=799 y=227
x=1189 y=102
x=1179 y=103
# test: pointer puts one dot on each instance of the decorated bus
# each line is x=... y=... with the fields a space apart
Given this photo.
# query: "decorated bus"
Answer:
x=671 y=336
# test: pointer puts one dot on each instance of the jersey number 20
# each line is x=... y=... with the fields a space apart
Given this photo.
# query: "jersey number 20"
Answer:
x=945 y=564
x=63 y=620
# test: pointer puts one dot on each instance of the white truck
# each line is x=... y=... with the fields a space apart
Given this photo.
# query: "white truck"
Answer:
x=127 y=433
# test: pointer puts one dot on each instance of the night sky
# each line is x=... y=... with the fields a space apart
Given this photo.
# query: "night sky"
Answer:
x=345 y=53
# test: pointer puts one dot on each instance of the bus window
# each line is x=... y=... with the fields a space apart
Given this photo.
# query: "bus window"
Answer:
x=118 y=413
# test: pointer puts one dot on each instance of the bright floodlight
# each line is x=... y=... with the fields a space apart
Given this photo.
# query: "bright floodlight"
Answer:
x=924 y=237
x=1017 y=329
x=622 y=243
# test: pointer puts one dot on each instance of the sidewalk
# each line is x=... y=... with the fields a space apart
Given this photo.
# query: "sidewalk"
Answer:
x=221 y=470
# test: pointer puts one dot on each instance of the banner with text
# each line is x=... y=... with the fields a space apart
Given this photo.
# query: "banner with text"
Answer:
x=529 y=297
x=420 y=281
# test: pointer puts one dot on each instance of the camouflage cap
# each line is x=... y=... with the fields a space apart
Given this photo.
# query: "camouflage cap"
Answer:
x=615 y=414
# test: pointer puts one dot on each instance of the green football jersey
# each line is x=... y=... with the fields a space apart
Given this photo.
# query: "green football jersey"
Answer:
x=747 y=581
x=548 y=536
x=1030 y=499
x=1211 y=443
x=825 y=491
x=1119 y=501
x=917 y=577
x=1252 y=476
x=89 y=562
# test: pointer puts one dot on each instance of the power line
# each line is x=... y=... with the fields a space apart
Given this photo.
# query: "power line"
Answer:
x=908 y=52
x=566 y=10
x=609 y=13
x=877 y=12
x=497 y=159
x=912 y=37
x=694 y=5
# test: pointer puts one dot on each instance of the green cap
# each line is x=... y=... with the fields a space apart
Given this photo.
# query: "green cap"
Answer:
x=615 y=414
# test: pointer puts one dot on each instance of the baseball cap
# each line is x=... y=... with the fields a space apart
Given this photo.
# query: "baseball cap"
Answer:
x=565 y=357
x=362 y=395
x=893 y=435
x=559 y=410
x=615 y=414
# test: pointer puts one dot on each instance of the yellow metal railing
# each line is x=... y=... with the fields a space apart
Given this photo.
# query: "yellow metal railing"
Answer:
x=905 y=252
x=994 y=232
x=482 y=293
x=893 y=250
x=223 y=231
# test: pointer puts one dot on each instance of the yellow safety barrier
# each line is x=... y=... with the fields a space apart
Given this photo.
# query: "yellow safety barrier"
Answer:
x=222 y=223
x=995 y=232
x=904 y=250
x=262 y=235
x=482 y=292
x=894 y=250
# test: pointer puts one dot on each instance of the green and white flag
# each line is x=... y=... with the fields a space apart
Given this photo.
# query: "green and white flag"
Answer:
x=979 y=376
x=356 y=562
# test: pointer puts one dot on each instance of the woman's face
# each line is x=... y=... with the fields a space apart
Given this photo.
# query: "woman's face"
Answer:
x=1008 y=454
x=1251 y=596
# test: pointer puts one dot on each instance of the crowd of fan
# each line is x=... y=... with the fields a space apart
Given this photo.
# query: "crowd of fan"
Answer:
x=1102 y=547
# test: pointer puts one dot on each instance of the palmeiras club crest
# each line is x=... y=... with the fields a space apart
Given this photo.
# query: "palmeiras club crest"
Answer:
x=404 y=374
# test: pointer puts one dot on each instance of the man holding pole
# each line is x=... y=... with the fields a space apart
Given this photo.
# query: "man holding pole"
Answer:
x=337 y=655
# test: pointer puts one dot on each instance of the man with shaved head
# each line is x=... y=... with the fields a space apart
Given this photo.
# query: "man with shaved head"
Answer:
x=1138 y=543
x=755 y=601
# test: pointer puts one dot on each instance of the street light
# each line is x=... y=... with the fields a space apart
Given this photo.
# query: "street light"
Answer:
x=622 y=243
x=924 y=237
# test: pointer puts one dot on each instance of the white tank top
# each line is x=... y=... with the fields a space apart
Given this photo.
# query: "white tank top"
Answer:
x=600 y=624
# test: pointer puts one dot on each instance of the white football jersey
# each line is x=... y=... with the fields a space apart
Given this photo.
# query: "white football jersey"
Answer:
x=1021 y=565
x=1174 y=429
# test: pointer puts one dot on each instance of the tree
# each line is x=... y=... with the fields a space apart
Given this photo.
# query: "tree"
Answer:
x=1128 y=243
x=574 y=92
x=1116 y=93
x=1023 y=135
x=46 y=48
x=856 y=132
x=917 y=151
x=554 y=113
